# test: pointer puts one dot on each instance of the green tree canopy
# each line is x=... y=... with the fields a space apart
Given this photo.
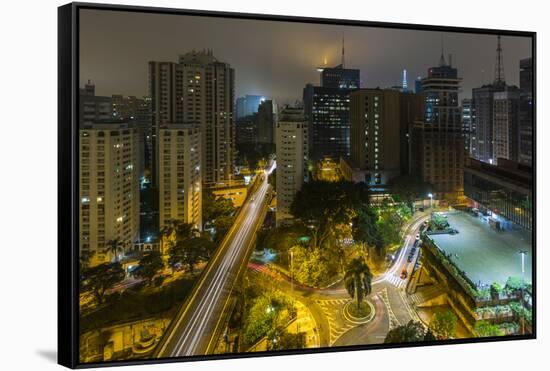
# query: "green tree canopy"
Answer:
x=321 y=205
x=443 y=324
x=484 y=329
x=213 y=208
x=412 y=331
x=358 y=279
x=309 y=266
x=408 y=188
x=149 y=266
x=100 y=278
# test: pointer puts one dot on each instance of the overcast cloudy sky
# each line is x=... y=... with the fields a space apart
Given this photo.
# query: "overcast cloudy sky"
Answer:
x=277 y=59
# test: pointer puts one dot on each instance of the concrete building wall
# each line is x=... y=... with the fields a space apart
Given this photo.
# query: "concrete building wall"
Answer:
x=291 y=147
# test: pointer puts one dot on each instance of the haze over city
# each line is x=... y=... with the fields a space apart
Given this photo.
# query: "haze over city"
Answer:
x=279 y=57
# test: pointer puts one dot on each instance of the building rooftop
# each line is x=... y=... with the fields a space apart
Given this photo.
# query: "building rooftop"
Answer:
x=483 y=253
x=506 y=170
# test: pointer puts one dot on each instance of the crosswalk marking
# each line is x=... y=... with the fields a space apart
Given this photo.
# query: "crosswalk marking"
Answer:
x=396 y=281
x=331 y=309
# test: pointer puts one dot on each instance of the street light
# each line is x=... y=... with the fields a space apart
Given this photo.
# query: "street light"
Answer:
x=431 y=196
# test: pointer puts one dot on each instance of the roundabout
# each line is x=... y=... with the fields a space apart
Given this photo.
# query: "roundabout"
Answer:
x=358 y=316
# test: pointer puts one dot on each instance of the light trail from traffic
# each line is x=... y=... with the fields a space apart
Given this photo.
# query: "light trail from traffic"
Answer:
x=196 y=326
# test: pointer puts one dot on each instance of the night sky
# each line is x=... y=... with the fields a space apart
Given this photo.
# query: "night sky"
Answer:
x=277 y=59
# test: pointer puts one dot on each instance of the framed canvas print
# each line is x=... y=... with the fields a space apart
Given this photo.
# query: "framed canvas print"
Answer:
x=236 y=185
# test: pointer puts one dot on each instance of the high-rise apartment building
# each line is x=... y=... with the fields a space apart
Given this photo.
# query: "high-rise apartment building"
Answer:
x=291 y=147
x=197 y=89
x=109 y=189
x=180 y=195
x=525 y=141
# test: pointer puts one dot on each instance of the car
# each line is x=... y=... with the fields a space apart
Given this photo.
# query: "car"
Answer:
x=404 y=273
x=417 y=236
x=410 y=258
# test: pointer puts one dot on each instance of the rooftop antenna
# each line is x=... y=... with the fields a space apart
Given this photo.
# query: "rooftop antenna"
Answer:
x=499 y=65
x=442 y=57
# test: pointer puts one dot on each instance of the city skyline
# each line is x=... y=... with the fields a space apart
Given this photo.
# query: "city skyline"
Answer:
x=275 y=74
x=216 y=219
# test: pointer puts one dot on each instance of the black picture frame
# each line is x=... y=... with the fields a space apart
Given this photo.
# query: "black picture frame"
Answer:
x=68 y=103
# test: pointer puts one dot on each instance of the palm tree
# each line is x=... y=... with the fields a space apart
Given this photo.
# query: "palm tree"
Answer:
x=358 y=280
x=113 y=246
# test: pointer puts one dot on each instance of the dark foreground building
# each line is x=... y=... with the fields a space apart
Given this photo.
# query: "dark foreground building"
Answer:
x=503 y=190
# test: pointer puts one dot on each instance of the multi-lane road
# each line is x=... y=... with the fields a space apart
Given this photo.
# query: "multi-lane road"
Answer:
x=195 y=329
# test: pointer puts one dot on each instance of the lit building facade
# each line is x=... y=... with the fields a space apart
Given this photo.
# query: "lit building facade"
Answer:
x=438 y=143
x=291 y=147
x=468 y=128
x=503 y=190
x=375 y=134
x=197 y=89
x=109 y=189
x=506 y=124
x=327 y=112
x=180 y=195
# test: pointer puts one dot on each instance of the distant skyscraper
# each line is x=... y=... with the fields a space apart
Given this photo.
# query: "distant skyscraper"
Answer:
x=198 y=89
x=340 y=76
x=248 y=105
x=505 y=124
x=265 y=121
x=327 y=112
x=438 y=143
x=109 y=188
x=418 y=85
x=291 y=147
x=483 y=105
x=526 y=112
x=404 y=84
x=468 y=129
x=180 y=185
